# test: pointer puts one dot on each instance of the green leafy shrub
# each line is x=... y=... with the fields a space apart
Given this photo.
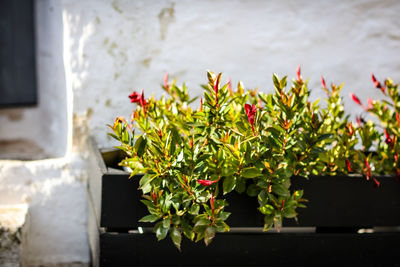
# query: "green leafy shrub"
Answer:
x=249 y=142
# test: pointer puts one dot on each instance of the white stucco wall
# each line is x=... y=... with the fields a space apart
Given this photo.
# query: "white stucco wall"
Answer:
x=117 y=46
x=92 y=54
x=56 y=232
x=54 y=188
x=45 y=126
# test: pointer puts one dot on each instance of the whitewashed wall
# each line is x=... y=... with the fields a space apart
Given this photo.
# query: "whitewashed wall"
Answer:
x=44 y=128
x=99 y=51
x=117 y=46
x=55 y=188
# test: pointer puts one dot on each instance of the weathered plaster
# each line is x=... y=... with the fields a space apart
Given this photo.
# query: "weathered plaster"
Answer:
x=54 y=188
x=129 y=45
x=22 y=149
x=56 y=196
x=45 y=126
x=12 y=220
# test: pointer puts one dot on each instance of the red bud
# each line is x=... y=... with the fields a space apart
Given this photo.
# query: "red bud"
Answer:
x=377 y=84
x=216 y=85
x=357 y=100
x=212 y=204
x=388 y=140
x=375 y=81
x=387 y=134
x=323 y=82
x=377 y=183
x=348 y=165
x=166 y=80
x=298 y=72
x=135 y=97
x=206 y=182
x=251 y=114
x=369 y=172
x=373 y=78
x=154 y=196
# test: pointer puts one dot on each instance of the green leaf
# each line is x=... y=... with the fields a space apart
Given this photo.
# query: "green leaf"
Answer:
x=276 y=81
x=176 y=237
x=251 y=172
x=144 y=183
x=229 y=184
x=202 y=222
x=323 y=137
x=266 y=209
x=240 y=185
x=223 y=215
x=209 y=234
x=187 y=230
x=166 y=223
x=289 y=213
x=194 y=209
x=140 y=146
x=253 y=190
x=161 y=232
x=283 y=82
x=263 y=198
x=280 y=190
x=268 y=221
x=149 y=218
x=113 y=136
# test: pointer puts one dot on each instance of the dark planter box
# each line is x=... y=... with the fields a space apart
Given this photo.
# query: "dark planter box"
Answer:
x=347 y=220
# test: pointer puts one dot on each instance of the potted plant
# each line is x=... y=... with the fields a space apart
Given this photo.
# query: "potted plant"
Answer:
x=192 y=163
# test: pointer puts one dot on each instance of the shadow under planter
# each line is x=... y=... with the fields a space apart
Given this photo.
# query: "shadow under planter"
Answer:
x=347 y=221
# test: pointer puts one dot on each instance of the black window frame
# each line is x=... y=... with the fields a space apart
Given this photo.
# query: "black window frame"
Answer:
x=18 y=80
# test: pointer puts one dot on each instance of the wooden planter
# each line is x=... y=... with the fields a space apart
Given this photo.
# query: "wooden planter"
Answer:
x=347 y=221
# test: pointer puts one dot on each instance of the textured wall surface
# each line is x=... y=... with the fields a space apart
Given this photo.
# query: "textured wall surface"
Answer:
x=117 y=46
x=99 y=51
x=40 y=132
x=54 y=188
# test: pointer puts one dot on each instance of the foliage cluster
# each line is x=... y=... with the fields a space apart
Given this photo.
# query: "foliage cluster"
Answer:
x=249 y=142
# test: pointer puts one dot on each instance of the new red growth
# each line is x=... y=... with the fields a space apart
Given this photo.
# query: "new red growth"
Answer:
x=357 y=100
x=166 y=81
x=323 y=82
x=206 y=182
x=138 y=98
x=377 y=84
x=251 y=114
x=348 y=165
x=298 y=72
x=212 y=204
x=216 y=85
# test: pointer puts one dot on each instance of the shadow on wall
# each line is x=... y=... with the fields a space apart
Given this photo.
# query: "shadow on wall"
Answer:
x=42 y=131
